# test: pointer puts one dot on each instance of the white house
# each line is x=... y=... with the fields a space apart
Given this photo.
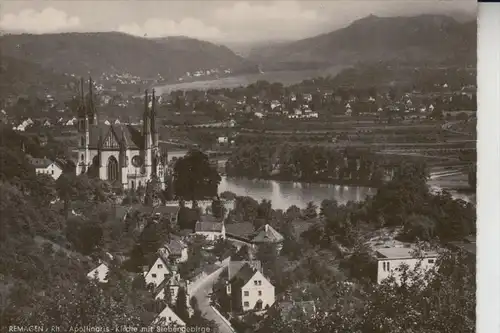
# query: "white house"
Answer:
x=167 y=317
x=100 y=273
x=389 y=259
x=157 y=273
x=251 y=289
x=210 y=227
x=222 y=139
x=46 y=166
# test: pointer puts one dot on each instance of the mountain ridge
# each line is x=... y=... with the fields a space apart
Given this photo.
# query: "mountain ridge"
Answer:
x=422 y=38
x=118 y=53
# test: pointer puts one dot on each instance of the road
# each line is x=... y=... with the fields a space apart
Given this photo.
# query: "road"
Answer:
x=203 y=298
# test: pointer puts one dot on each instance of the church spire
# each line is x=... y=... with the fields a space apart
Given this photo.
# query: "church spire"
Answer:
x=153 y=117
x=91 y=110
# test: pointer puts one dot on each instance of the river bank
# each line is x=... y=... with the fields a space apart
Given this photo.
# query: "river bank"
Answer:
x=319 y=180
x=284 y=194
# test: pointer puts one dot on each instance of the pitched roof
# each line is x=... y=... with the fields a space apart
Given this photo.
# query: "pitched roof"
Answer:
x=287 y=308
x=209 y=218
x=126 y=134
x=175 y=246
x=267 y=234
x=234 y=267
x=245 y=273
x=166 y=210
x=243 y=229
x=400 y=253
x=209 y=226
x=40 y=162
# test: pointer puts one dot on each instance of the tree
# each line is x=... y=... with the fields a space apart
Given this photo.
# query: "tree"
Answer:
x=194 y=177
x=311 y=210
x=223 y=248
x=180 y=307
x=62 y=305
x=13 y=164
x=218 y=209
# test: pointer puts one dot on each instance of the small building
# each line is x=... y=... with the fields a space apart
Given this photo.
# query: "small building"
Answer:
x=267 y=234
x=210 y=227
x=157 y=273
x=167 y=317
x=170 y=286
x=46 y=166
x=100 y=273
x=389 y=259
x=250 y=289
x=171 y=213
x=175 y=250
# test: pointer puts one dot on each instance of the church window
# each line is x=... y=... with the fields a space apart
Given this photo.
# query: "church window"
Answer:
x=82 y=141
x=136 y=161
x=113 y=169
x=110 y=141
x=82 y=157
x=126 y=160
x=133 y=185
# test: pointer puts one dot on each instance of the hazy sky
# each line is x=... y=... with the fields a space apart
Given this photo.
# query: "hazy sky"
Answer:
x=225 y=21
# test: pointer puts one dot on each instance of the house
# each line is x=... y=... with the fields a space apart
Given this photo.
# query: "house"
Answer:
x=100 y=273
x=242 y=231
x=250 y=289
x=267 y=235
x=46 y=166
x=210 y=227
x=175 y=250
x=170 y=286
x=157 y=273
x=292 y=311
x=222 y=140
x=168 y=317
x=170 y=213
x=389 y=259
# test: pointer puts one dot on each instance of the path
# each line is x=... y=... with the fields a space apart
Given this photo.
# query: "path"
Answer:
x=202 y=296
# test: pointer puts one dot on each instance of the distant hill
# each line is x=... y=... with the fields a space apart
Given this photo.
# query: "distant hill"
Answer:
x=20 y=77
x=424 y=39
x=112 y=52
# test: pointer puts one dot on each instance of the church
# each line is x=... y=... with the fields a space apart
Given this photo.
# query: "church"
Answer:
x=124 y=155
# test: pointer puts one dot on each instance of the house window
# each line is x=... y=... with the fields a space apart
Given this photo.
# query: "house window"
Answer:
x=383 y=265
x=260 y=283
x=260 y=292
x=388 y=266
x=52 y=171
x=169 y=318
x=246 y=293
x=160 y=266
x=256 y=282
x=430 y=261
x=153 y=275
x=246 y=304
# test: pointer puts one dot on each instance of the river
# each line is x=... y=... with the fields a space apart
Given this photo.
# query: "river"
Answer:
x=284 y=194
x=285 y=77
